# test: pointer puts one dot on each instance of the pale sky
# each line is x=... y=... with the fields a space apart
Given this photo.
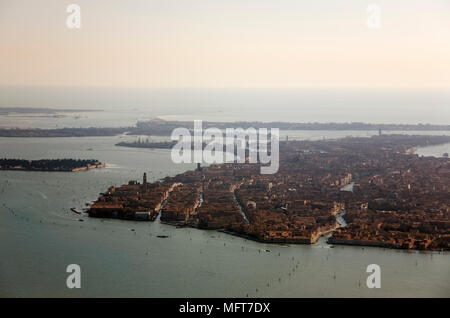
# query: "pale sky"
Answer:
x=226 y=43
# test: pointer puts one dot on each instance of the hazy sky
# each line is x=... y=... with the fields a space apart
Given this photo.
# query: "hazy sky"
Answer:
x=226 y=43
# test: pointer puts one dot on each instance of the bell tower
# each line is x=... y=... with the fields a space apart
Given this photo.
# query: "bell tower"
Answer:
x=144 y=182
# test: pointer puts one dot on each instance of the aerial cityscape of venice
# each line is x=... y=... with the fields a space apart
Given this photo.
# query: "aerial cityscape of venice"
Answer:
x=225 y=149
x=396 y=199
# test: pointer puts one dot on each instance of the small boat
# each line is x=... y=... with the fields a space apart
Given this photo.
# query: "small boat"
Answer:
x=75 y=210
x=162 y=236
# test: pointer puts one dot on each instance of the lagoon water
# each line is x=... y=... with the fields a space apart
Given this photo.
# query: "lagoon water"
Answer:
x=40 y=236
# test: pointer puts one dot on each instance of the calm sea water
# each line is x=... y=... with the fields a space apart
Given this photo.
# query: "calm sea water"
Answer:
x=40 y=236
x=124 y=106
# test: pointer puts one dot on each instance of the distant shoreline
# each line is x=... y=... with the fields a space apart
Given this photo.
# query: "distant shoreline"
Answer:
x=159 y=127
x=32 y=110
x=50 y=165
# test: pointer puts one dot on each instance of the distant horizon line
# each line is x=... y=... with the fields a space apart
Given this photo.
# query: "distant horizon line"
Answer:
x=335 y=88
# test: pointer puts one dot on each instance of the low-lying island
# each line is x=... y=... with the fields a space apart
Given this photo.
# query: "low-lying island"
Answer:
x=66 y=165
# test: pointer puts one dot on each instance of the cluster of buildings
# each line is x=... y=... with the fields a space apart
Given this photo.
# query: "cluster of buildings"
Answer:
x=387 y=195
x=405 y=206
x=134 y=201
x=181 y=204
x=219 y=209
